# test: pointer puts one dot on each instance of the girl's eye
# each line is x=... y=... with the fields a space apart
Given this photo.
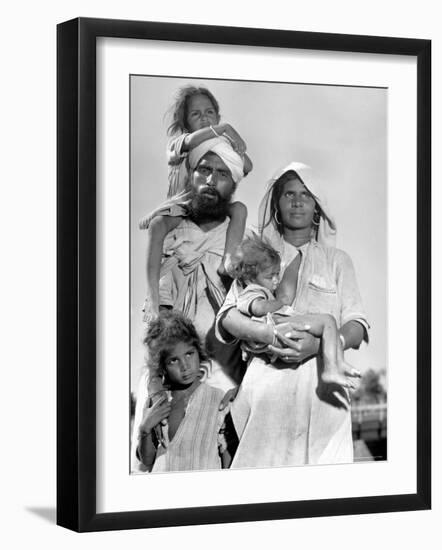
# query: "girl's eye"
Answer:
x=190 y=353
x=171 y=360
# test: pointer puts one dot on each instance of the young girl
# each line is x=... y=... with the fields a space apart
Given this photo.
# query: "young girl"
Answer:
x=194 y=432
x=258 y=292
x=195 y=119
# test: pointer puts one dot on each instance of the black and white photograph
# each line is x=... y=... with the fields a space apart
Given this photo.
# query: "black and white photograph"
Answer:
x=258 y=274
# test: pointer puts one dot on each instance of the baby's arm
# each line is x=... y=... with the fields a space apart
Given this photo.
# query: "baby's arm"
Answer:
x=260 y=306
x=234 y=235
x=156 y=233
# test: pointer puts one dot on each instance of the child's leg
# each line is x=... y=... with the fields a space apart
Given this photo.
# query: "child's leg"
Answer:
x=234 y=235
x=336 y=370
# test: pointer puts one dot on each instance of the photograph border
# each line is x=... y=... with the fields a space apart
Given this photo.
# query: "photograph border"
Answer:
x=76 y=273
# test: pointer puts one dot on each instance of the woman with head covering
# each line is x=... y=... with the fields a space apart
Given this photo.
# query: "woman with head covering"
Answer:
x=284 y=414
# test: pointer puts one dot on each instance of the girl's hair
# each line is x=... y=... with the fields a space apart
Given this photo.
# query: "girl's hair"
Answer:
x=179 y=109
x=252 y=256
x=170 y=328
x=276 y=194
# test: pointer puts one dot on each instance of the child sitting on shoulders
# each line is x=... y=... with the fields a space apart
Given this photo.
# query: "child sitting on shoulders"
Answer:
x=193 y=426
x=195 y=119
x=254 y=292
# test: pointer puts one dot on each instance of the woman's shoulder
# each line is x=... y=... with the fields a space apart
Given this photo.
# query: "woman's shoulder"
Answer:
x=333 y=253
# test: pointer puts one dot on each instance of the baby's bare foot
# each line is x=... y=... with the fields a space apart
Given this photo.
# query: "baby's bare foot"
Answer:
x=334 y=377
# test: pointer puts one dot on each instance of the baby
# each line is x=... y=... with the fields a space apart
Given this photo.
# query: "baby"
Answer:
x=257 y=268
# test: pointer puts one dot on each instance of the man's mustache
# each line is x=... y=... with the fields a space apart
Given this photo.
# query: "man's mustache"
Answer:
x=208 y=191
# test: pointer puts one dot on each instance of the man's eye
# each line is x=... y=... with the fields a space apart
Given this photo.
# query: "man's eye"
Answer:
x=223 y=173
x=203 y=170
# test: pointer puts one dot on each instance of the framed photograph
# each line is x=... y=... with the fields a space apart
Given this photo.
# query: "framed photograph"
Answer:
x=244 y=251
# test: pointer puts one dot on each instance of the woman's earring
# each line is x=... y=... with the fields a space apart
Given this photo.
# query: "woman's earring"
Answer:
x=278 y=221
x=316 y=218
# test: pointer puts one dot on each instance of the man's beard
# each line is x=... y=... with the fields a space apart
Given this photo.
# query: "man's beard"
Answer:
x=208 y=206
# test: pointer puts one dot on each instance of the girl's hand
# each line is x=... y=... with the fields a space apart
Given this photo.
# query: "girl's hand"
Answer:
x=238 y=144
x=155 y=414
x=228 y=398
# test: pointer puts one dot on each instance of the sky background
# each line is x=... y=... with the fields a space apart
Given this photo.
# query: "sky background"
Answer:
x=340 y=132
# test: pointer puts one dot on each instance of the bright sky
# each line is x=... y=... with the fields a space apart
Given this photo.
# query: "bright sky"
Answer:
x=339 y=131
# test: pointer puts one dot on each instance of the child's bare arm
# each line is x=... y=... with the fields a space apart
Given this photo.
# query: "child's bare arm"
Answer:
x=234 y=235
x=156 y=233
x=248 y=165
x=153 y=415
x=196 y=138
x=260 y=307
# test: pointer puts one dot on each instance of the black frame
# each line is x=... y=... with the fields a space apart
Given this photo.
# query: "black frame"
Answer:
x=76 y=272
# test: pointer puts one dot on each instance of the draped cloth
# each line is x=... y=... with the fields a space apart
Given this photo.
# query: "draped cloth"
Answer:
x=195 y=445
x=196 y=255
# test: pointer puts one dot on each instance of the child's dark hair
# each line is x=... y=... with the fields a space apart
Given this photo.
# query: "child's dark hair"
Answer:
x=166 y=331
x=252 y=256
x=179 y=109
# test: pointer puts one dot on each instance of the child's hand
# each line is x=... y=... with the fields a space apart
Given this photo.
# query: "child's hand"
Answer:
x=155 y=414
x=238 y=144
x=144 y=222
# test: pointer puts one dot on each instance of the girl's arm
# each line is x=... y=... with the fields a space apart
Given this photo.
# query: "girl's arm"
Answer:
x=152 y=416
x=234 y=235
x=248 y=165
x=196 y=138
x=156 y=233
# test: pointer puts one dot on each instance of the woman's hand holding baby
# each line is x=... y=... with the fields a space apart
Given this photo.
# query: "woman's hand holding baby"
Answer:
x=298 y=344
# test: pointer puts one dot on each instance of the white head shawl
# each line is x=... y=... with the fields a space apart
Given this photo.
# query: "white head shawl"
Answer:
x=224 y=150
x=326 y=234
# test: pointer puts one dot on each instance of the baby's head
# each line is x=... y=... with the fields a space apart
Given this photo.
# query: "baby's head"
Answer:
x=194 y=108
x=256 y=261
x=175 y=350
